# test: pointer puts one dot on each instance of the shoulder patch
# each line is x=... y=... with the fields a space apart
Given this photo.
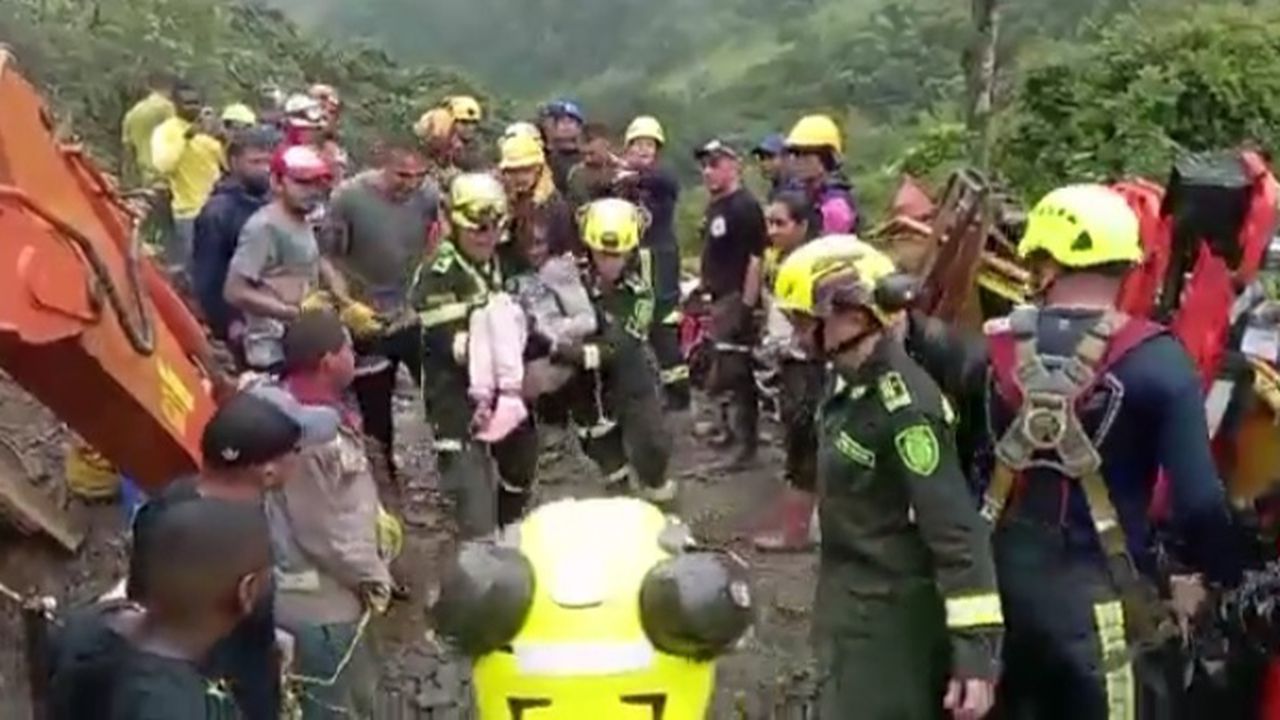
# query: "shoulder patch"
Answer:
x=443 y=262
x=918 y=448
x=893 y=391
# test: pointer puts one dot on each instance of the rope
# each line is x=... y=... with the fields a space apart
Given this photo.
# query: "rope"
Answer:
x=342 y=664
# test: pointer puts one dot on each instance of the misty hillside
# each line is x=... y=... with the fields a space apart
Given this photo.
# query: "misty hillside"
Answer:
x=892 y=71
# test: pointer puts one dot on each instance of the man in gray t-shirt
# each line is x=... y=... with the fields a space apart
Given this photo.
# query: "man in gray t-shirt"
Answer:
x=379 y=228
x=277 y=261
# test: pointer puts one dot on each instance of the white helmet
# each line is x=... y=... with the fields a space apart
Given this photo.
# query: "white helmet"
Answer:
x=303 y=111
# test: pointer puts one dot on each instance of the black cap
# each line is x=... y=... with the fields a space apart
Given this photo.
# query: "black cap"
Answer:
x=310 y=337
x=715 y=148
x=248 y=430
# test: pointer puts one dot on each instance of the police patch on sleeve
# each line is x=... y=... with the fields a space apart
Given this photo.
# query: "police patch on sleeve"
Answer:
x=918 y=448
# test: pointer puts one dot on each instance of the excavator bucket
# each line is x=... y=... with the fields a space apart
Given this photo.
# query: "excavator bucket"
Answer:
x=88 y=325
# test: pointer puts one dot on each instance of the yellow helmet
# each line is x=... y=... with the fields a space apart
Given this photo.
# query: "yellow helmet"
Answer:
x=435 y=124
x=1083 y=226
x=476 y=200
x=612 y=225
x=522 y=129
x=463 y=108
x=816 y=131
x=838 y=271
x=239 y=113
x=646 y=126
x=600 y=608
x=521 y=151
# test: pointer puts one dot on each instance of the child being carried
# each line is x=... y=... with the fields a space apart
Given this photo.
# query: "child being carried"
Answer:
x=548 y=305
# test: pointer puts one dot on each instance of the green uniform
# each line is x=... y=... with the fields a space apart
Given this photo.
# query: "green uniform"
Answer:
x=444 y=293
x=906 y=591
x=617 y=409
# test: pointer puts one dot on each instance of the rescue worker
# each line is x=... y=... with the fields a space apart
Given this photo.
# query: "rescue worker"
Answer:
x=734 y=241
x=770 y=159
x=652 y=186
x=532 y=197
x=447 y=288
x=815 y=150
x=435 y=129
x=617 y=405
x=612 y=609
x=1086 y=406
x=466 y=113
x=907 y=617
x=802 y=382
x=562 y=122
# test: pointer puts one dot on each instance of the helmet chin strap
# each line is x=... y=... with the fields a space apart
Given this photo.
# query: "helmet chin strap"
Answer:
x=853 y=343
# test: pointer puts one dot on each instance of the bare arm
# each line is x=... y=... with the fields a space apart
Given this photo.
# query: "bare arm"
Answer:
x=751 y=283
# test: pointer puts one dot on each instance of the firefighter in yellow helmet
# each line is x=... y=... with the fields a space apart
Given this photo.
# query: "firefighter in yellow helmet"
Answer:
x=1085 y=403
x=644 y=180
x=436 y=130
x=815 y=153
x=600 y=608
x=616 y=392
x=535 y=204
x=459 y=279
x=466 y=113
x=906 y=618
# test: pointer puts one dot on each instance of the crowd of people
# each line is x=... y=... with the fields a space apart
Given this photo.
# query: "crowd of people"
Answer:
x=541 y=285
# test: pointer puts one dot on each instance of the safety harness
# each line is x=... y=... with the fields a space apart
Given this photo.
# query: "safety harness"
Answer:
x=1047 y=428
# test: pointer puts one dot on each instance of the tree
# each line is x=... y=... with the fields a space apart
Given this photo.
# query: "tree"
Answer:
x=1150 y=88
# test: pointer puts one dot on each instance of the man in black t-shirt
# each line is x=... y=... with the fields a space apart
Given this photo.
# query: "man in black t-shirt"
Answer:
x=734 y=240
x=209 y=566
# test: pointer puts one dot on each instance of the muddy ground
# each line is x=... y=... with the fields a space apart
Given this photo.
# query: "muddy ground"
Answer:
x=767 y=678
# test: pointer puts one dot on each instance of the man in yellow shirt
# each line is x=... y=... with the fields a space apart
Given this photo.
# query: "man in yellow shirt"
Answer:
x=138 y=125
x=188 y=156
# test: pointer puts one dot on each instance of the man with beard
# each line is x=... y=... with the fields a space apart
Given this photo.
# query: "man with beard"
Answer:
x=277 y=261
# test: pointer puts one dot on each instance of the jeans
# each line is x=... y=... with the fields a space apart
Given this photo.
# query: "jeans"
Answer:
x=319 y=649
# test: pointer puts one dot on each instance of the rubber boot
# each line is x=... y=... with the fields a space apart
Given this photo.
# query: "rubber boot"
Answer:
x=791 y=533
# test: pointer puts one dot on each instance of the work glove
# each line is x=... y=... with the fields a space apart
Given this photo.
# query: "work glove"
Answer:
x=362 y=320
x=376 y=596
x=319 y=301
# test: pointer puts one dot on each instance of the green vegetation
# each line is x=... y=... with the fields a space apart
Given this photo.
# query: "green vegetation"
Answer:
x=1086 y=89
x=93 y=59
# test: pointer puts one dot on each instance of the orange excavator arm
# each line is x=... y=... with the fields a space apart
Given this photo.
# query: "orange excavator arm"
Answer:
x=88 y=325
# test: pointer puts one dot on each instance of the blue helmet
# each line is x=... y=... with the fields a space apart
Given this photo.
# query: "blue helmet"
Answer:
x=564 y=107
